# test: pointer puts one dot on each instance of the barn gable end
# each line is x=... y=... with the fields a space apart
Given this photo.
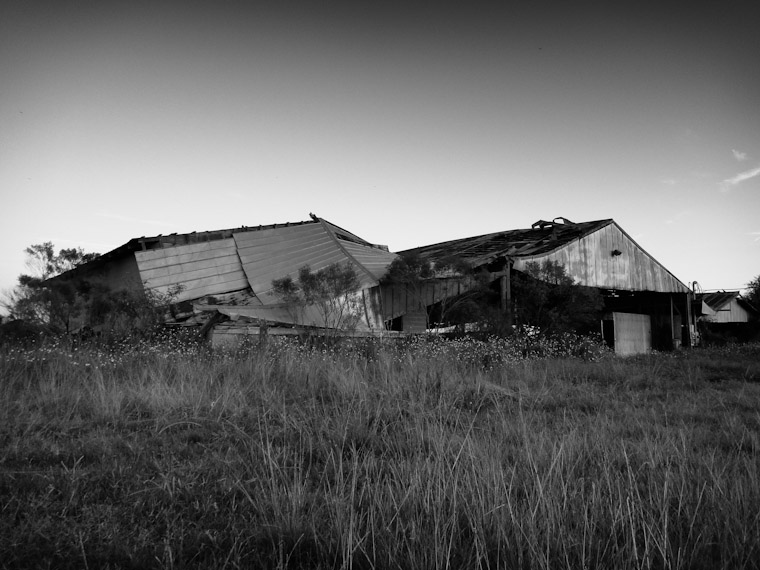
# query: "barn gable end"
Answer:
x=608 y=258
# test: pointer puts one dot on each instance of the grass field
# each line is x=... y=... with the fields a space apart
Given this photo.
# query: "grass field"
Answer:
x=426 y=455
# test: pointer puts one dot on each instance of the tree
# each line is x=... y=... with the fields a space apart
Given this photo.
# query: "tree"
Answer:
x=411 y=272
x=753 y=292
x=465 y=296
x=331 y=290
x=52 y=304
x=548 y=298
x=45 y=263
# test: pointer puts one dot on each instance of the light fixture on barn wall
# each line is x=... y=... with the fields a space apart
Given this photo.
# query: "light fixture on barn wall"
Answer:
x=616 y=252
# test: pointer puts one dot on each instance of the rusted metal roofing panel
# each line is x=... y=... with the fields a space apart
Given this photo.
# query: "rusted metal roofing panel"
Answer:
x=374 y=260
x=279 y=252
x=481 y=250
x=309 y=315
x=345 y=235
x=207 y=268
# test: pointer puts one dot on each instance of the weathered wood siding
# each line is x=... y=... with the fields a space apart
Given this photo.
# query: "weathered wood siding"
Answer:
x=398 y=300
x=415 y=322
x=209 y=268
x=120 y=274
x=590 y=262
x=373 y=306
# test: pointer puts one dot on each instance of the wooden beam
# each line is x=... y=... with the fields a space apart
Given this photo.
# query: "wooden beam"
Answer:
x=505 y=287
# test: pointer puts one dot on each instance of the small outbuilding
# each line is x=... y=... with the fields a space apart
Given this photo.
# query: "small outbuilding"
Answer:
x=727 y=307
x=727 y=316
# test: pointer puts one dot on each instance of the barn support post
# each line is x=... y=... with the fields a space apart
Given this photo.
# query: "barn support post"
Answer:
x=505 y=283
x=263 y=334
x=688 y=341
x=675 y=332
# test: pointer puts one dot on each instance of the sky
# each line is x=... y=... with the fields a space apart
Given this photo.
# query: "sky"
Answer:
x=406 y=123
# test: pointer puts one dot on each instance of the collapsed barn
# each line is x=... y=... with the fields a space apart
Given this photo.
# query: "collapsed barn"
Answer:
x=226 y=275
x=223 y=280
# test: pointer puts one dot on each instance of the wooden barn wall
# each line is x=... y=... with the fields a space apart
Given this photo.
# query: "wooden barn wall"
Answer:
x=590 y=262
x=121 y=274
x=414 y=322
x=209 y=268
x=275 y=253
x=397 y=300
x=373 y=307
x=730 y=313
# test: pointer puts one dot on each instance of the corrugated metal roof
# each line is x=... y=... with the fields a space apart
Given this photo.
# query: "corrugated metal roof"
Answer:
x=543 y=237
x=279 y=252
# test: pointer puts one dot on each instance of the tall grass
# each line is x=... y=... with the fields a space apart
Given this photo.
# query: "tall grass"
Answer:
x=429 y=455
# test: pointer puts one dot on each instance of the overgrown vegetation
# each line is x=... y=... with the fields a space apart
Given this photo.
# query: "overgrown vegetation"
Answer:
x=411 y=272
x=548 y=298
x=332 y=291
x=416 y=454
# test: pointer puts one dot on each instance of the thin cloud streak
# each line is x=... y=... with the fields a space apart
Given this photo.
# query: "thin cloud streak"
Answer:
x=678 y=217
x=133 y=220
x=728 y=183
x=739 y=155
x=87 y=245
